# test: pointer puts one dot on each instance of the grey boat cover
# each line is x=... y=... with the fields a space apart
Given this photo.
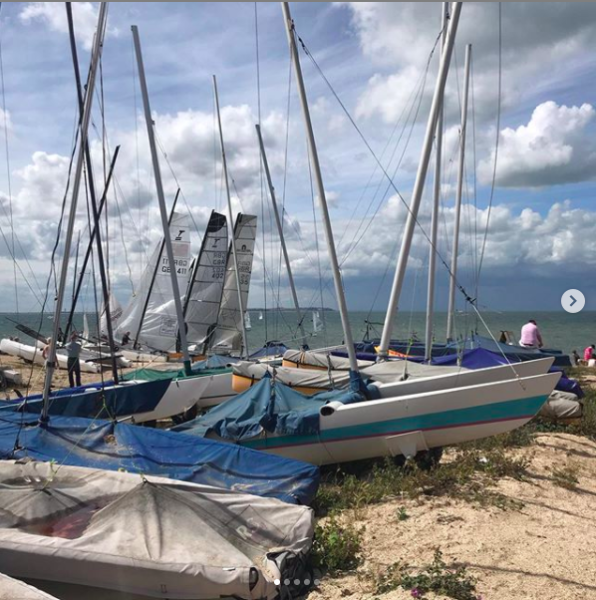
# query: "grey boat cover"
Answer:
x=152 y=537
x=11 y=589
x=387 y=372
x=562 y=405
x=322 y=360
x=293 y=378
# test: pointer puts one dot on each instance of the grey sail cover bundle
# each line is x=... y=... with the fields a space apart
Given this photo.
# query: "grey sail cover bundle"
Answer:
x=12 y=589
x=160 y=323
x=152 y=537
x=227 y=338
x=205 y=290
x=384 y=372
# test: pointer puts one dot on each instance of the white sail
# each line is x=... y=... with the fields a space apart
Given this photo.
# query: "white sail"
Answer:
x=317 y=325
x=247 y=321
x=159 y=324
x=205 y=291
x=261 y=317
x=227 y=338
x=86 y=334
x=115 y=316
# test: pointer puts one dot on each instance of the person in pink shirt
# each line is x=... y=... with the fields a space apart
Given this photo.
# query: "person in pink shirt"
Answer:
x=589 y=353
x=531 y=336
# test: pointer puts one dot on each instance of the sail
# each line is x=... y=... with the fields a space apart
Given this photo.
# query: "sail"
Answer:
x=247 y=321
x=317 y=325
x=86 y=334
x=205 y=290
x=115 y=316
x=227 y=338
x=159 y=324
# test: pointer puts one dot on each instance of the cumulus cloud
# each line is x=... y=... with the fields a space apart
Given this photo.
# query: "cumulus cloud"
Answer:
x=53 y=15
x=398 y=37
x=554 y=148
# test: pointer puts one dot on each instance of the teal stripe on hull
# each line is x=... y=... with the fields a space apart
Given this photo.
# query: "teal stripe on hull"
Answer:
x=503 y=411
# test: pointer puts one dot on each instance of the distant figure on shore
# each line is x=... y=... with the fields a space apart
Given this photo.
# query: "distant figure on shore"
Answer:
x=74 y=348
x=126 y=339
x=589 y=353
x=61 y=339
x=531 y=336
x=577 y=360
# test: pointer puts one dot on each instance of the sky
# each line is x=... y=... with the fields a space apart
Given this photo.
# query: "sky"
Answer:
x=370 y=98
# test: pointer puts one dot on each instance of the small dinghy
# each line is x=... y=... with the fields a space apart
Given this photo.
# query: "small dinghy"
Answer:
x=88 y=530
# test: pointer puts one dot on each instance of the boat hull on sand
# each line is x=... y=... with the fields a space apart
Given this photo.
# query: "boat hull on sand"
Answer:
x=412 y=424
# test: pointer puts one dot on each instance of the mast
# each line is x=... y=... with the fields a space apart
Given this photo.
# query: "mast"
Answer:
x=100 y=256
x=460 y=191
x=231 y=216
x=162 y=200
x=420 y=181
x=280 y=230
x=432 y=261
x=314 y=157
x=154 y=276
x=76 y=267
x=84 y=127
x=90 y=246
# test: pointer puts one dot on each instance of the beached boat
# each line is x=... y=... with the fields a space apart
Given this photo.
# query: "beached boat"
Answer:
x=340 y=427
x=110 y=534
x=34 y=354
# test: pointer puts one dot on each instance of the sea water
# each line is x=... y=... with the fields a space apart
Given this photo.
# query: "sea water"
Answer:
x=560 y=330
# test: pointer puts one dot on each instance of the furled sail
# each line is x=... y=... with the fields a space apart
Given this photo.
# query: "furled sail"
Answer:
x=158 y=324
x=203 y=299
x=227 y=338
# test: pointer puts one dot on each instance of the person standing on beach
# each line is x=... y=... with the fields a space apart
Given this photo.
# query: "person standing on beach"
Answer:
x=589 y=353
x=74 y=348
x=531 y=336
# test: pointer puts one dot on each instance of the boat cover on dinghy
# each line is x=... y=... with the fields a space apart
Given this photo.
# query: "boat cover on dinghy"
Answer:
x=295 y=378
x=97 y=401
x=214 y=365
x=153 y=537
x=270 y=407
x=12 y=589
x=483 y=359
x=387 y=372
x=321 y=360
x=120 y=447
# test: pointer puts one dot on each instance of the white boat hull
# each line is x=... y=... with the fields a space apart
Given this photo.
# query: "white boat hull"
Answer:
x=219 y=389
x=411 y=424
x=466 y=378
x=34 y=355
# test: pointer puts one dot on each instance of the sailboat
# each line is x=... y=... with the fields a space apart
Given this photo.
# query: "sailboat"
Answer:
x=370 y=421
x=317 y=325
x=99 y=534
x=247 y=321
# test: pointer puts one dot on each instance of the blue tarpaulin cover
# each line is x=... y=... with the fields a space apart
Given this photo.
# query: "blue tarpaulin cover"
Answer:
x=106 y=403
x=110 y=446
x=269 y=407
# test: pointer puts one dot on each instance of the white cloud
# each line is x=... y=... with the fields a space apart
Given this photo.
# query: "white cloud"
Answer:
x=53 y=15
x=553 y=148
x=397 y=38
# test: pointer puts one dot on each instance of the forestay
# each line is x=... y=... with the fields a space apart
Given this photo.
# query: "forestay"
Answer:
x=227 y=338
x=159 y=322
x=205 y=291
